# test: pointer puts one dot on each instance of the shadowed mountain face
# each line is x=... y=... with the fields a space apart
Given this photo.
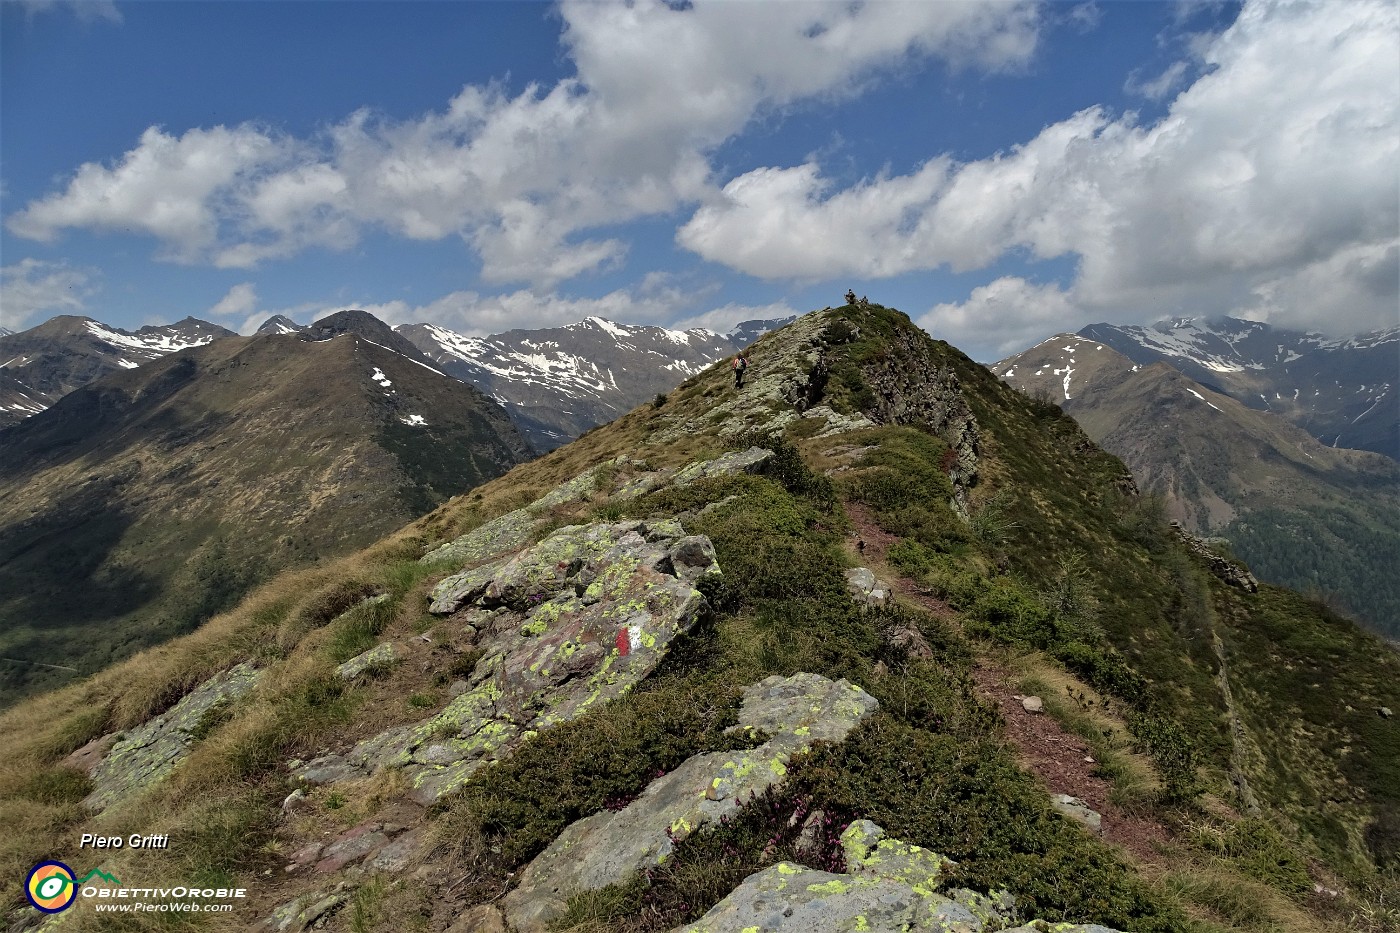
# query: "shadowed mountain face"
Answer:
x=1344 y=392
x=1302 y=514
x=41 y=365
x=147 y=500
x=558 y=382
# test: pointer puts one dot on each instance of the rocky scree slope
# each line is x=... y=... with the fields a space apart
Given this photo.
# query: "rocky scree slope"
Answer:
x=640 y=686
x=145 y=502
x=41 y=365
x=1301 y=514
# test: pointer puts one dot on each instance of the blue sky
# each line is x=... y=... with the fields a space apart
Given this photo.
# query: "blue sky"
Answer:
x=999 y=171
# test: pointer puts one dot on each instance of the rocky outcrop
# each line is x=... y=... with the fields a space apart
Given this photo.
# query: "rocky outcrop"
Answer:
x=148 y=753
x=889 y=886
x=1232 y=572
x=753 y=460
x=377 y=657
x=865 y=588
x=912 y=386
x=610 y=847
x=569 y=623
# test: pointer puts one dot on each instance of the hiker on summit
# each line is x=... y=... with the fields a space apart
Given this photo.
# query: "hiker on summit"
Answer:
x=739 y=364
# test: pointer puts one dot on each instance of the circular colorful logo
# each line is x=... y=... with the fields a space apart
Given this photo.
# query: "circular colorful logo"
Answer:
x=51 y=887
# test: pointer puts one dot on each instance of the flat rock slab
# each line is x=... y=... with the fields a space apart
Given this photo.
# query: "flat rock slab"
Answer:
x=378 y=656
x=752 y=460
x=504 y=533
x=1076 y=809
x=146 y=754
x=578 y=619
x=610 y=847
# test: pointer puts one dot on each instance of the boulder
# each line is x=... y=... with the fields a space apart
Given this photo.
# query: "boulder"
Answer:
x=579 y=619
x=1076 y=809
x=1033 y=704
x=890 y=887
x=865 y=588
x=379 y=656
x=302 y=912
x=610 y=847
x=146 y=754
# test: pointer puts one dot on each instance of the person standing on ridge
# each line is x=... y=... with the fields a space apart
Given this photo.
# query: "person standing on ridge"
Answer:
x=739 y=364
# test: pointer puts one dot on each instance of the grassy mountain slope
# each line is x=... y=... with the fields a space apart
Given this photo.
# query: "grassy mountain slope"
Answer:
x=1303 y=515
x=1013 y=542
x=147 y=501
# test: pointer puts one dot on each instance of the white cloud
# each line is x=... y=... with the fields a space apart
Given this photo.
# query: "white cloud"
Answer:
x=1160 y=86
x=241 y=301
x=722 y=320
x=86 y=11
x=523 y=179
x=1000 y=315
x=1273 y=170
x=33 y=287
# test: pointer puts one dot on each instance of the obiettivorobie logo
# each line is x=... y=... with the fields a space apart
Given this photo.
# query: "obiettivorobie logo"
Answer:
x=51 y=886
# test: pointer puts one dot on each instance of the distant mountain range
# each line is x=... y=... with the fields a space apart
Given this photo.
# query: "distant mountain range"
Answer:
x=140 y=504
x=555 y=382
x=1301 y=513
x=558 y=382
x=41 y=365
x=1341 y=391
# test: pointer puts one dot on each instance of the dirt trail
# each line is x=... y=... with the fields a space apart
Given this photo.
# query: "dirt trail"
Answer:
x=1061 y=759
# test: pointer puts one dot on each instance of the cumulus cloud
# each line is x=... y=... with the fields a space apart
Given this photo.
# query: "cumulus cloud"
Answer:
x=241 y=301
x=32 y=287
x=1272 y=171
x=523 y=178
x=999 y=315
x=86 y=11
x=722 y=319
x=1160 y=86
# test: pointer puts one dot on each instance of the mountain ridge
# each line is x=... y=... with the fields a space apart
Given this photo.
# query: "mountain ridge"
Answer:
x=876 y=533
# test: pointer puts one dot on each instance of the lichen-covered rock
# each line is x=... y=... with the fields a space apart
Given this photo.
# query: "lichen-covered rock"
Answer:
x=865 y=588
x=610 y=847
x=502 y=534
x=1045 y=926
x=789 y=898
x=302 y=912
x=752 y=460
x=641 y=484
x=837 y=423
x=579 y=619
x=870 y=852
x=378 y=656
x=148 y=753
x=891 y=887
